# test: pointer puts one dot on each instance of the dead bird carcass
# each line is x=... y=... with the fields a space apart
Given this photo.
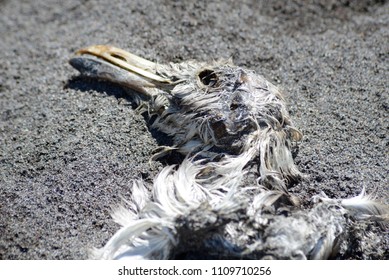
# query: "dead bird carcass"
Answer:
x=232 y=125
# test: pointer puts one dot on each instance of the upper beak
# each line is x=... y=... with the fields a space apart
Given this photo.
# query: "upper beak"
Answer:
x=119 y=66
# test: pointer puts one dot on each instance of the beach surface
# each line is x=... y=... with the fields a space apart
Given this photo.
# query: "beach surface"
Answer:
x=69 y=146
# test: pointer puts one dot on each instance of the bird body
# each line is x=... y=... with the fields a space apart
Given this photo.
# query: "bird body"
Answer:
x=231 y=124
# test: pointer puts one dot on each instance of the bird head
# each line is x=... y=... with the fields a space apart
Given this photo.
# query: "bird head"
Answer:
x=201 y=105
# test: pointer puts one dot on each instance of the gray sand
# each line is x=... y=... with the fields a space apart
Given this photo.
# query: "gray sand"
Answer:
x=69 y=147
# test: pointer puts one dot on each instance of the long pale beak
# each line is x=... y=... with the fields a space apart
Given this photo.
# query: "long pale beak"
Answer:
x=119 y=66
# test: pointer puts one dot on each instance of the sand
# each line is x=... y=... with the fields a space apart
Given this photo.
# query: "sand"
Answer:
x=69 y=147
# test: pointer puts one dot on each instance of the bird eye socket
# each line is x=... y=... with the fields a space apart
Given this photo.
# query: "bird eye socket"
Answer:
x=208 y=77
